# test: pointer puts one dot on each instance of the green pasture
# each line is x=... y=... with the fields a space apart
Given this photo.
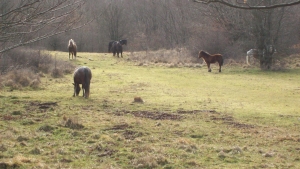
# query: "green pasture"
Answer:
x=189 y=118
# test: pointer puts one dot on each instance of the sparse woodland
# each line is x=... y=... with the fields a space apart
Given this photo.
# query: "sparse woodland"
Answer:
x=151 y=25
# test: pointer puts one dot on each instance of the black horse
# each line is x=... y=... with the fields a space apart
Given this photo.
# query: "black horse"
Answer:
x=122 y=42
x=116 y=48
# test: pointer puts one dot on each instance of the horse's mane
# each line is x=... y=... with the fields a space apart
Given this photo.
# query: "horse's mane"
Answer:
x=204 y=53
x=72 y=43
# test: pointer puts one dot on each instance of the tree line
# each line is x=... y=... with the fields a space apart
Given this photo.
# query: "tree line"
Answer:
x=151 y=25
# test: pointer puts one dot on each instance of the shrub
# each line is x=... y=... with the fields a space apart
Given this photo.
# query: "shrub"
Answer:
x=16 y=79
x=23 y=68
x=25 y=58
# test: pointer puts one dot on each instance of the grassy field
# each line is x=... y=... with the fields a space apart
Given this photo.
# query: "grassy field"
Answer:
x=189 y=118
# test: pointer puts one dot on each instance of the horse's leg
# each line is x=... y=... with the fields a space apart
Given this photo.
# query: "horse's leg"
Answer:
x=219 y=66
x=208 y=67
x=74 y=87
x=83 y=90
x=247 y=60
x=69 y=55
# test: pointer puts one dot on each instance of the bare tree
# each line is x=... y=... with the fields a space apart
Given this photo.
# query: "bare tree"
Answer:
x=24 y=22
x=114 y=19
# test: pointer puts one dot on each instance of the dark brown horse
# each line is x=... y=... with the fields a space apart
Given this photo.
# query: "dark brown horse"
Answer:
x=72 y=48
x=211 y=59
x=117 y=48
x=82 y=75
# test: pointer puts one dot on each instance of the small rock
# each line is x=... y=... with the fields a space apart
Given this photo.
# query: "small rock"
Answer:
x=237 y=150
x=221 y=154
x=138 y=100
x=268 y=155
x=21 y=138
x=3 y=148
x=158 y=124
x=35 y=151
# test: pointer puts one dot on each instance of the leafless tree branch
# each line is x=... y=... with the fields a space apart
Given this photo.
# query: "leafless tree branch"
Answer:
x=27 y=21
x=244 y=5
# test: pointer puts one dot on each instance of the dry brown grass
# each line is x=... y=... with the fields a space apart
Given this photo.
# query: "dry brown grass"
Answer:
x=18 y=161
x=149 y=161
x=23 y=68
x=72 y=123
x=17 y=79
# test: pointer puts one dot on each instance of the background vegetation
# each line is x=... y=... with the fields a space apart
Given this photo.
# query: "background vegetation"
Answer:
x=149 y=25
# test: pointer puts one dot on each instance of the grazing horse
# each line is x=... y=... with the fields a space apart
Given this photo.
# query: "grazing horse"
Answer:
x=117 y=48
x=82 y=75
x=72 y=48
x=211 y=59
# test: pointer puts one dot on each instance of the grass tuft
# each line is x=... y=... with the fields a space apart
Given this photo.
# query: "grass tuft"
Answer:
x=72 y=123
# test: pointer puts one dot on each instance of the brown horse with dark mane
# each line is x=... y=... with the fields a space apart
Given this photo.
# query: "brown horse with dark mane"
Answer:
x=82 y=75
x=211 y=59
x=72 y=48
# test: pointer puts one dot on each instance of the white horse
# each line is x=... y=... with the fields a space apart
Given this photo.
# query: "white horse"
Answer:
x=251 y=54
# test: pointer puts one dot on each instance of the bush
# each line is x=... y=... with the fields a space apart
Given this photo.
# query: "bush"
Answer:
x=17 y=79
x=23 y=67
x=25 y=58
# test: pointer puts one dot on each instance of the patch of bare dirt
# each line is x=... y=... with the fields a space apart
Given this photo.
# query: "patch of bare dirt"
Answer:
x=158 y=115
x=102 y=151
x=154 y=115
x=120 y=127
x=131 y=134
x=231 y=122
x=196 y=111
x=40 y=106
x=127 y=130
